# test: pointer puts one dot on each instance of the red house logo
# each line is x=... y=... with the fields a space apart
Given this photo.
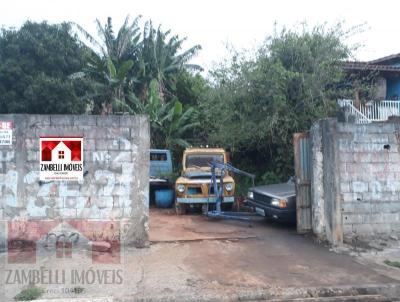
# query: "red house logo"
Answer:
x=61 y=158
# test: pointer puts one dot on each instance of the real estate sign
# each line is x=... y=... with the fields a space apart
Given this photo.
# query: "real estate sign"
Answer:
x=61 y=158
x=6 y=133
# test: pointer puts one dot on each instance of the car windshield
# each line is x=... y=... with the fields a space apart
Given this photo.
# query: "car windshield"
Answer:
x=158 y=156
x=202 y=160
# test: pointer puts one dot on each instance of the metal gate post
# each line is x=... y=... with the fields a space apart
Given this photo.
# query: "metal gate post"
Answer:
x=302 y=163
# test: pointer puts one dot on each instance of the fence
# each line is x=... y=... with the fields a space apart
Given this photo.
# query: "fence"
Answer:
x=372 y=111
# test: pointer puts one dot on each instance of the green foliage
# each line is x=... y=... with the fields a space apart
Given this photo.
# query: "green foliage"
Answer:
x=138 y=76
x=125 y=65
x=177 y=122
x=169 y=122
x=118 y=47
x=269 y=177
x=159 y=59
x=392 y=263
x=35 y=64
x=258 y=103
x=109 y=64
x=251 y=106
x=29 y=294
x=242 y=185
x=191 y=88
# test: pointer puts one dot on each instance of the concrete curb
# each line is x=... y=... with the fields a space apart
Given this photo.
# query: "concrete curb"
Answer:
x=105 y=299
x=387 y=290
x=391 y=291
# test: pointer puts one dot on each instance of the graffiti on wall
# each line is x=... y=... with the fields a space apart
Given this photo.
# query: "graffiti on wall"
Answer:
x=104 y=193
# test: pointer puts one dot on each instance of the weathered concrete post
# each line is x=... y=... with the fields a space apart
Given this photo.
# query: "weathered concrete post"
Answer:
x=331 y=181
x=325 y=191
x=317 y=185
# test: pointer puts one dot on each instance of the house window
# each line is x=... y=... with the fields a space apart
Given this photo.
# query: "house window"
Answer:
x=60 y=154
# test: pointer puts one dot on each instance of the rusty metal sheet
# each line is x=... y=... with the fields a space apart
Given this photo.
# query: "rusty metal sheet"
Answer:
x=302 y=162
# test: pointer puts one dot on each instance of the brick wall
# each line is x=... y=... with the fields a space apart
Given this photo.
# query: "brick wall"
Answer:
x=364 y=175
x=115 y=185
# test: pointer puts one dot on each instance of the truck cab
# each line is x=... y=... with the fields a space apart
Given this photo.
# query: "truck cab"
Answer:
x=193 y=186
x=160 y=172
x=160 y=165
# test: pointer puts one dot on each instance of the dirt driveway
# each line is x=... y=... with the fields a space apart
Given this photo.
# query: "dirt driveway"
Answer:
x=265 y=254
x=196 y=258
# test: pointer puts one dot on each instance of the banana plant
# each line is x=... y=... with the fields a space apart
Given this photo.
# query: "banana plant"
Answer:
x=111 y=82
x=160 y=59
x=177 y=123
x=110 y=61
x=169 y=122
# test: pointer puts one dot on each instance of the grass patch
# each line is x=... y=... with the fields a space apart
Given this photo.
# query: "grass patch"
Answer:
x=29 y=294
x=392 y=263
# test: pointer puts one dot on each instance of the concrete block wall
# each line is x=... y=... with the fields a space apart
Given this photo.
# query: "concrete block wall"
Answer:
x=363 y=182
x=116 y=169
x=370 y=178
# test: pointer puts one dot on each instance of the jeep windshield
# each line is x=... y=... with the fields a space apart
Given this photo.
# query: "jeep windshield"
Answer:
x=201 y=161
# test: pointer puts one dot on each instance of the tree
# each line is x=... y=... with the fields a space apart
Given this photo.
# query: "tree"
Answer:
x=160 y=60
x=191 y=88
x=155 y=57
x=109 y=63
x=111 y=84
x=35 y=64
x=258 y=103
x=169 y=122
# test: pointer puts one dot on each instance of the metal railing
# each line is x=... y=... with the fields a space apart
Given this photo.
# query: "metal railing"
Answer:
x=372 y=111
x=360 y=118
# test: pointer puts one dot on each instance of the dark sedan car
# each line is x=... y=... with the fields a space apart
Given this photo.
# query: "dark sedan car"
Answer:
x=276 y=201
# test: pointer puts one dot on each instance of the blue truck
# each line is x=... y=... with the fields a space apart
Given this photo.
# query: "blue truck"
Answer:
x=160 y=164
x=160 y=176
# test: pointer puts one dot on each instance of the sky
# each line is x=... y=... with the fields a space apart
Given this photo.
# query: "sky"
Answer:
x=216 y=24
